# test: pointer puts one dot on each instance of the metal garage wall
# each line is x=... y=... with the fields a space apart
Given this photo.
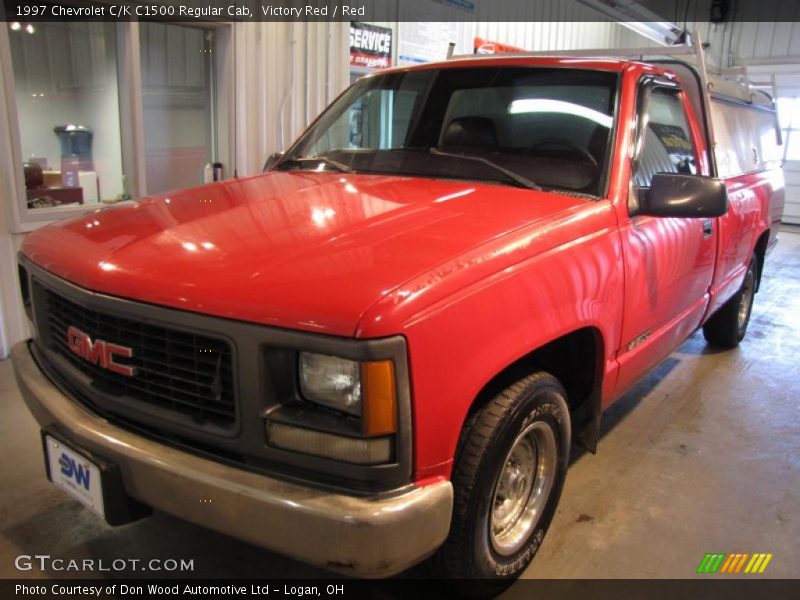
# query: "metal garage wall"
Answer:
x=13 y=325
x=739 y=43
x=540 y=25
x=569 y=35
x=772 y=50
x=764 y=50
x=552 y=26
x=752 y=30
x=786 y=78
x=286 y=73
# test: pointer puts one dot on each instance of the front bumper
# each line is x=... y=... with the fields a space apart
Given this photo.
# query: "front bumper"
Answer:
x=366 y=537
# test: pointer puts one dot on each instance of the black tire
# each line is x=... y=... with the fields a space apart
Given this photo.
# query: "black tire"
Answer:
x=492 y=450
x=728 y=326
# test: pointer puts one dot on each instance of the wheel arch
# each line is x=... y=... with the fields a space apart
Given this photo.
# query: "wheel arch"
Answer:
x=760 y=251
x=576 y=360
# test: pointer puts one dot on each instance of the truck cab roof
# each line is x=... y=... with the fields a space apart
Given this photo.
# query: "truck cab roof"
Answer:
x=729 y=86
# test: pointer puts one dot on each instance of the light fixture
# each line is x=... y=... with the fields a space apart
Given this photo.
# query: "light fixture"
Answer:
x=658 y=31
x=640 y=19
x=357 y=451
x=30 y=28
x=15 y=26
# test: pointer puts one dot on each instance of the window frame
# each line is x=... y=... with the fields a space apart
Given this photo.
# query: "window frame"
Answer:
x=647 y=85
x=22 y=219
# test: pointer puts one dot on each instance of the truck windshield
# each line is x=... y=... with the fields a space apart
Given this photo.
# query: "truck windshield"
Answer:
x=523 y=126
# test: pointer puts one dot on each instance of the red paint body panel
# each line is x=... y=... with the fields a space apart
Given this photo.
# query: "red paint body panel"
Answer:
x=474 y=275
x=310 y=251
x=668 y=266
x=755 y=200
x=474 y=316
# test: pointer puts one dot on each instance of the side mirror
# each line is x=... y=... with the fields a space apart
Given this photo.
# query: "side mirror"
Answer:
x=686 y=196
x=273 y=158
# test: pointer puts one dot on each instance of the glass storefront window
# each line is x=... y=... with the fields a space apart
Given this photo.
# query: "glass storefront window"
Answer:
x=178 y=102
x=67 y=98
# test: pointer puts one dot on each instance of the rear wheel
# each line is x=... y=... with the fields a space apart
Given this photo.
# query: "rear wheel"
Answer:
x=508 y=476
x=728 y=326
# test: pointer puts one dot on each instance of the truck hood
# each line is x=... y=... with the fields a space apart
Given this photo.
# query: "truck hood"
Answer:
x=303 y=250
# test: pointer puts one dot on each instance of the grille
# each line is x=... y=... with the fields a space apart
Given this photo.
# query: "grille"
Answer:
x=175 y=370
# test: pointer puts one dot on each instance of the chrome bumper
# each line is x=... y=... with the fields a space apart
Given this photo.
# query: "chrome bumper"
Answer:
x=366 y=537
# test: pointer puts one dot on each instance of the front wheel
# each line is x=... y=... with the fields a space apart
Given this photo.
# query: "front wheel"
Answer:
x=509 y=472
x=728 y=326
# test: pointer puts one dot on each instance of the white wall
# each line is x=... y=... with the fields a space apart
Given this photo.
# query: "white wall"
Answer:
x=13 y=326
x=286 y=73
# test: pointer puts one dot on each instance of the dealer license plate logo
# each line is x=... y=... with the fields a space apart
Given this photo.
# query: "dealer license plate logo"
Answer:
x=76 y=475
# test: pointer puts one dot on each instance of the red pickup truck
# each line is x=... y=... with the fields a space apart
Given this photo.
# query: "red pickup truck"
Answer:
x=381 y=349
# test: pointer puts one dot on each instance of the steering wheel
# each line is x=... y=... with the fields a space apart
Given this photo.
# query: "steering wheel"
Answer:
x=551 y=141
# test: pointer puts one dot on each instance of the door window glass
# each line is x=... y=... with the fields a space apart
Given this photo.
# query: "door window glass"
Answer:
x=667 y=146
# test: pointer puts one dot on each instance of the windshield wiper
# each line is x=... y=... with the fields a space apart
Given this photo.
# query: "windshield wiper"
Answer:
x=519 y=179
x=301 y=160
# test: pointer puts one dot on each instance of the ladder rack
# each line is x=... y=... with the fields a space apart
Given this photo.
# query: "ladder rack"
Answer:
x=695 y=47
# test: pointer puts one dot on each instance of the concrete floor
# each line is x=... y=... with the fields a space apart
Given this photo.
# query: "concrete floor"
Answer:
x=703 y=456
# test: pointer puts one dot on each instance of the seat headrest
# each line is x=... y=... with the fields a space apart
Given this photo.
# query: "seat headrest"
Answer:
x=597 y=142
x=470 y=131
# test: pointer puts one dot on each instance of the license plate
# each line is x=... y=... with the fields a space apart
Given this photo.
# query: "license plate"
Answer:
x=75 y=474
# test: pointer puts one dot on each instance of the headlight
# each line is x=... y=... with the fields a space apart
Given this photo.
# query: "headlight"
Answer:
x=331 y=381
x=362 y=389
x=308 y=419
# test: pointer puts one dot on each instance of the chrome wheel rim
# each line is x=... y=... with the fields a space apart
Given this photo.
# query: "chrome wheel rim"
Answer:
x=522 y=488
x=748 y=289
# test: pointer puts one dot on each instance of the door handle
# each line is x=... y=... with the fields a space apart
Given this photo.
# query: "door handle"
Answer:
x=708 y=227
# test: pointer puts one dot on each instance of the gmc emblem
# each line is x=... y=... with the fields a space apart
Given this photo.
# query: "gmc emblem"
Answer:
x=99 y=352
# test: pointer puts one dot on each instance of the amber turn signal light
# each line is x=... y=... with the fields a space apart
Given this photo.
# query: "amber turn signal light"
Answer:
x=379 y=401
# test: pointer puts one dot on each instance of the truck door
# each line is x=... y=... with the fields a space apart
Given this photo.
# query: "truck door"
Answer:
x=668 y=262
